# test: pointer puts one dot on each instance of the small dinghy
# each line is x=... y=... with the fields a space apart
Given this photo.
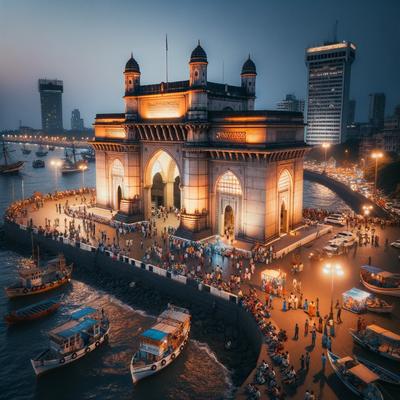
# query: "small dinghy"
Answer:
x=384 y=374
x=357 y=377
x=86 y=330
x=34 y=311
x=374 y=304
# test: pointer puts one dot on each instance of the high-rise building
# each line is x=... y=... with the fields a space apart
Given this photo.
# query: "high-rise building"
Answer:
x=291 y=103
x=351 y=112
x=328 y=87
x=76 y=121
x=51 y=105
x=377 y=104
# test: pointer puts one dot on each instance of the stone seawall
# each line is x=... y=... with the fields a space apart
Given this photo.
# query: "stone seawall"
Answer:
x=186 y=290
x=354 y=199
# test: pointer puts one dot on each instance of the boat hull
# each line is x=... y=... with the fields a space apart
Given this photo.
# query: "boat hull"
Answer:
x=14 y=318
x=381 y=290
x=42 y=366
x=11 y=168
x=384 y=374
x=21 y=291
x=139 y=373
x=381 y=310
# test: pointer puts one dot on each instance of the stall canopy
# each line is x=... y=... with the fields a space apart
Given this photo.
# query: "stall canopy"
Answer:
x=355 y=300
x=372 y=269
x=270 y=273
x=363 y=373
x=357 y=294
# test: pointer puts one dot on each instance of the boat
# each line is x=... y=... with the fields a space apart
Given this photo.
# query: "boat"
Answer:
x=374 y=304
x=71 y=164
x=8 y=166
x=380 y=281
x=41 y=151
x=51 y=148
x=38 y=164
x=84 y=332
x=33 y=311
x=356 y=376
x=160 y=345
x=384 y=374
x=36 y=279
x=378 y=340
x=88 y=155
x=25 y=150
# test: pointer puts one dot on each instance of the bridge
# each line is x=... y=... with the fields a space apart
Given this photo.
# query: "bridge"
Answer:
x=354 y=199
x=59 y=141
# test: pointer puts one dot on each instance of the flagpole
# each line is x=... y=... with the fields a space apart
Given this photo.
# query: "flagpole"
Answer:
x=166 y=57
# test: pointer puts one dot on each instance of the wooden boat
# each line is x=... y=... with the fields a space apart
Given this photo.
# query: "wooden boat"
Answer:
x=378 y=340
x=384 y=374
x=380 y=281
x=41 y=152
x=51 y=148
x=160 y=345
x=86 y=330
x=8 y=166
x=25 y=150
x=35 y=280
x=34 y=311
x=71 y=164
x=377 y=305
x=357 y=377
x=38 y=164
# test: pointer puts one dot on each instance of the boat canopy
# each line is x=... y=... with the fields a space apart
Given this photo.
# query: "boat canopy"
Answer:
x=371 y=269
x=174 y=315
x=166 y=328
x=364 y=373
x=83 y=312
x=357 y=294
x=376 y=329
x=154 y=334
x=80 y=327
x=391 y=336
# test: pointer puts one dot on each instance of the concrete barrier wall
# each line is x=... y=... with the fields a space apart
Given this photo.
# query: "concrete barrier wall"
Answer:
x=84 y=257
x=354 y=199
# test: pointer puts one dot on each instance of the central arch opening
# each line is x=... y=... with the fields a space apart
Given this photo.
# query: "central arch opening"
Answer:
x=119 y=197
x=229 y=222
x=164 y=181
x=284 y=219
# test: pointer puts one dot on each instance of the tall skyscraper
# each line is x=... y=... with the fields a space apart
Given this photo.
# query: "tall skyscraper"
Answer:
x=351 y=113
x=328 y=86
x=76 y=120
x=51 y=105
x=291 y=103
x=377 y=102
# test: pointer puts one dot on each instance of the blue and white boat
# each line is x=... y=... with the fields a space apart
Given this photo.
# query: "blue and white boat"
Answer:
x=86 y=329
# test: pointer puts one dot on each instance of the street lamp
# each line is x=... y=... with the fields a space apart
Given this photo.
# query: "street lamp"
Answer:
x=376 y=155
x=367 y=210
x=83 y=168
x=56 y=164
x=325 y=146
x=333 y=270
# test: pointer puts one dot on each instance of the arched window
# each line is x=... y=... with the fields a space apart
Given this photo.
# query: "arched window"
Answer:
x=229 y=183
x=284 y=181
x=117 y=168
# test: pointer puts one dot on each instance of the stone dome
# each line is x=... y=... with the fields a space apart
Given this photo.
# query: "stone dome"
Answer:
x=132 y=65
x=249 y=67
x=198 y=54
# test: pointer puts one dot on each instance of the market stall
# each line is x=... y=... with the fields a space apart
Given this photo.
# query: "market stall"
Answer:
x=355 y=300
x=273 y=281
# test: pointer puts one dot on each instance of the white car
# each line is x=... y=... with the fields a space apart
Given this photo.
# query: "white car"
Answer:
x=396 y=244
x=334 y=247
x=348 y=238
x=334 y=220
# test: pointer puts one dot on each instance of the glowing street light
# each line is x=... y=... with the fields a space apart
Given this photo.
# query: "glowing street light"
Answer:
x=83 y=168
x=56 y=164
x=333 y=270
x=376 y=155
x=325 y=146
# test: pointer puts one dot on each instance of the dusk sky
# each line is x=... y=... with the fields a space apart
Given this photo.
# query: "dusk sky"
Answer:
x=87 y=43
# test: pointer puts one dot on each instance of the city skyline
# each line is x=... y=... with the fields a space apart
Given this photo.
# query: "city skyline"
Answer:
x=88 y=52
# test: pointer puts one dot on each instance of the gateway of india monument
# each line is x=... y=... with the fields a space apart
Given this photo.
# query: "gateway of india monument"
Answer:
x=201 y=147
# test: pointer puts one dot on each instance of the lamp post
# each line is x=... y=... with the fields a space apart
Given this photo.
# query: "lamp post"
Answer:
x=56 y=164
x=325 y=146
x=367 y=210
x=376 y=155
x=332 y=270
x=83 y=168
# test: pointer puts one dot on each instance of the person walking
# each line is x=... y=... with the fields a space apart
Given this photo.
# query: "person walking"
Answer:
x=306 y=326
x=339 y=315
x=296 y=332
x=302 y=362
x=307 y=360
x=313 y=336
x=323 y=362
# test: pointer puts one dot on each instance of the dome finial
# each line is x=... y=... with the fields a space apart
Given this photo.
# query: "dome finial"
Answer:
x=131 y=54
x=198 y=42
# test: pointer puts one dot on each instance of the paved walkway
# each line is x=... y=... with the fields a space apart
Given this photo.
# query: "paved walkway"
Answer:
x=314 y=284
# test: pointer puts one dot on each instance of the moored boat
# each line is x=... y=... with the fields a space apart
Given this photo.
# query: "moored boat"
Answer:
x=41 y=152
x=374 y=304
x=161 y=344
x=33 y=311
x=8 y=166
x=380 y=281
x=357 y=377
x=25 y=150
x=384 y=374
x=86 y=330
x=38 y=279
x=378 y=340
x=51 y=148
x=38 y=164
x=71 y=164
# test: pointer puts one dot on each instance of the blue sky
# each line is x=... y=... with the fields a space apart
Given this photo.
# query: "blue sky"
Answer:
x=86 y=44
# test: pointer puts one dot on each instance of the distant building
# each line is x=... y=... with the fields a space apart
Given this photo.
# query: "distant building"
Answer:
x=393 y=122
x=351 y=112
x=76 y=121
x=377 y=109
x=291 y=103
x=328 y=88
x=51 y=105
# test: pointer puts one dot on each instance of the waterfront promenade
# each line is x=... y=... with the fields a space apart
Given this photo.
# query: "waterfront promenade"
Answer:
x=314 y=285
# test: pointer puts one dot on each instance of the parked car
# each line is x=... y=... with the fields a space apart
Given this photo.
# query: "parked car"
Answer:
x=396 y=244
x=333 y=220
x=348 y=238
x=334 y=247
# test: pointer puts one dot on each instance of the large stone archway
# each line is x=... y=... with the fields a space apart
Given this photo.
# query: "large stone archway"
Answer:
x=117 y=177
x=285 y=202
